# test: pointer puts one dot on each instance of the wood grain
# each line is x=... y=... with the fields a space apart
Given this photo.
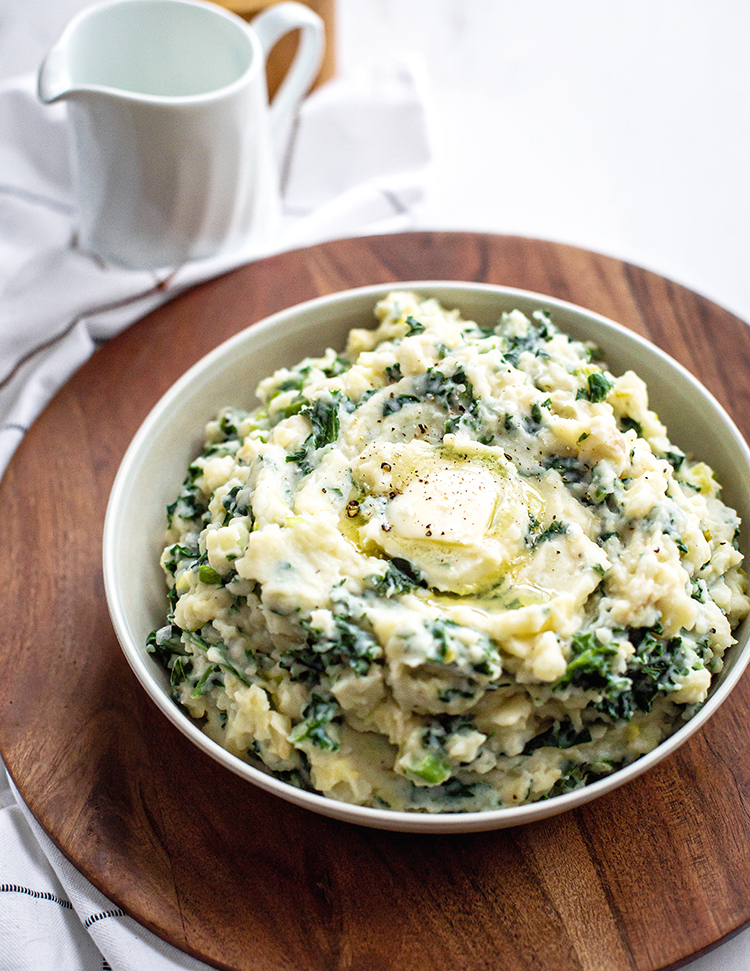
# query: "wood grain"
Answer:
x=641 y=879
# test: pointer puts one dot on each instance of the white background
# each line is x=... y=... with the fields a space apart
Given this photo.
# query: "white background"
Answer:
x=622 y=127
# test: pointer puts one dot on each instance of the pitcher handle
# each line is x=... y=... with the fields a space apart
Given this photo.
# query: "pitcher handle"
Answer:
x=270 y=26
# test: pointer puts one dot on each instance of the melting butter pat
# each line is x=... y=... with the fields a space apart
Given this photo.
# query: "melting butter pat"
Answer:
x=450 y=505
x=460 y=519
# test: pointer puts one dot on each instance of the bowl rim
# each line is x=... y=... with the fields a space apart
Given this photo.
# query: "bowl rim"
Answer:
x=387 y=819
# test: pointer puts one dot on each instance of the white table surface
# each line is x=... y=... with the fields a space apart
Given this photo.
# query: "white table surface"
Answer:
x=620 y=127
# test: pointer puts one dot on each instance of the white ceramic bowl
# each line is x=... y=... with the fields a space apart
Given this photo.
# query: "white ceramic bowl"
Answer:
x=154 y=466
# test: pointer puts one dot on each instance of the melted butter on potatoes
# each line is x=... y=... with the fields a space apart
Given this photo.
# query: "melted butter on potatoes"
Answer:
x=459 y=519
x=448 y=569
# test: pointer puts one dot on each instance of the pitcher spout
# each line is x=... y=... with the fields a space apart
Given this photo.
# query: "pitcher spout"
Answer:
x=54 y=81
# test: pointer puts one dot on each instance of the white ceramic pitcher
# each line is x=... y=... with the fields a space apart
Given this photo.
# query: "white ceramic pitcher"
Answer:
x=172 y=134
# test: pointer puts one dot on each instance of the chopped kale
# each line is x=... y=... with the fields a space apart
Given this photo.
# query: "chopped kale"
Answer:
x=556 y=528
x=165 y=642
x=699 y=590
x=229 y=423
x=172 y=598
x=301 y=459
x=450 y=649
x=652 y=669
x=189 y=505
x=598 y=386
x=590 y=660
x=443 y=633
x=324 y=417
x=294 y=407
x=209 y=679
x=442 y=728
x=413 y=326
x=294 y=382
x=531 y=342
x=602 y=488
x=229 y=446
x=571 y=469
x=171 y=646
x=483 y=332
x=575 y=775
x=323 y=414
x=348 y=646
x=630 y=424
x=396 y=403
x=320 y=713
x=675 y=458
x=593 y=667
x=295 y=777
x=655 y=666
x=197 y=640
x=455 y=789
x=176 y=554
x=434 y=765
x=339 y=366
x=558 y=735
x=235 y=504
x=447 y=695
x=366 y=395
x=452 y=392
x=399 y=577
x=533 y=422
x=182 y=668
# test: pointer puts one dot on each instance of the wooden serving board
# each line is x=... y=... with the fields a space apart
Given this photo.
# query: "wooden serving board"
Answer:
x=641 y=879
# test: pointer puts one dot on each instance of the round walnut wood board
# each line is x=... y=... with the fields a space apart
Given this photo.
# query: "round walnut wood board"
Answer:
x=642 y=878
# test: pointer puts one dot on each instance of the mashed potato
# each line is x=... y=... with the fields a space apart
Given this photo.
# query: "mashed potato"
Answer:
x=452 y=569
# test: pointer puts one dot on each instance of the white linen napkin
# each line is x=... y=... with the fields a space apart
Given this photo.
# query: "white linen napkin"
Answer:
x=52 y=919
x=357 y=164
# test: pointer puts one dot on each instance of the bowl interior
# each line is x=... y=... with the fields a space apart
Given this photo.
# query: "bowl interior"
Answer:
x=154 y=466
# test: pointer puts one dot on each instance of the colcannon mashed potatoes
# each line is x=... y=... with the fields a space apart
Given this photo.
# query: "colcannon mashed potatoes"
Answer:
x=449 y=569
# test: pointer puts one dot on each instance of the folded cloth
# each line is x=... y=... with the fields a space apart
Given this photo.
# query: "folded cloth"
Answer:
x=52 y=919
x=356 y=164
